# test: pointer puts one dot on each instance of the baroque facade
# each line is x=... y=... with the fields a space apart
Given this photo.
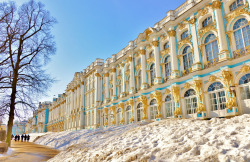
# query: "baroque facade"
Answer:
x=194 y=63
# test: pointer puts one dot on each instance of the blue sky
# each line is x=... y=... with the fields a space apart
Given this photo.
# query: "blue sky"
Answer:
x=90 y=29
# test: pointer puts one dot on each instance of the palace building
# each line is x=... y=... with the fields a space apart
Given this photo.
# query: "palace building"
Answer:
x=194 y=63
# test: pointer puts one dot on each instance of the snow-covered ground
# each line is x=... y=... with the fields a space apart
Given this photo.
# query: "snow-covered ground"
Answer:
x=9 y=152
x=166 y=140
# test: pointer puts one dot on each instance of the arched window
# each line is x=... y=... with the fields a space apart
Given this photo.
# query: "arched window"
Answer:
x=212 y=49
x=244 y=85
x=190 y=101
x=139 y=112
x=119 y=115
x=105 y=118
x=151 y=54
x=169 y=106
x=236 y=4
x=166 y=45
x=184 y=35
x=168 y=66
x=187 y=58
x=217 y=96
x=153 y=109
x=152 y=73
x=128 y=114
x=241 y=33
x=139 y=80
x=207 y=21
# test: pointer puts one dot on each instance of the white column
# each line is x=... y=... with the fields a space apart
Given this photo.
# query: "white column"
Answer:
x=143 y=67
x=158 y=79
x=197 y=63
x=223 y=54
x=106 y=76
x=114 y=84
x=123 y=79
x=132 y=76
x=174 y=63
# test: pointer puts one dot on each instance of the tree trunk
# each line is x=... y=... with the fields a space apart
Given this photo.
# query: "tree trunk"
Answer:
x=12 y=109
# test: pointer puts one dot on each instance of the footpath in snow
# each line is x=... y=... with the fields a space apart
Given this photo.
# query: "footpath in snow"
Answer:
x=166 y=140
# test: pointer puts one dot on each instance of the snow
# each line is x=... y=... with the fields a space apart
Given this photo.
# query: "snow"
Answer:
x=9 y=152
x=166 y=140
x=33 y=136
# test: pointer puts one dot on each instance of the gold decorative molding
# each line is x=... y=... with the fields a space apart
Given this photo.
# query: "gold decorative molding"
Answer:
x=206 y=29
x=212 y=78
x=235 y=14
x=113 y=70
x=203 y=12
x=97 y=75
x=171 y=33
x=181 y=26
x=229 y=34
x=231 y=102
x=187 y=85
x=227 y=79
x=165 y=51
x=142 y=52
x=176 y=94
x=155 y=43
x=150 y=59
x=184 y=41
x=216 y=4
x=143 y=100
x=167 y=91
x=245 y=69
x=137 y=67
x=192 y=21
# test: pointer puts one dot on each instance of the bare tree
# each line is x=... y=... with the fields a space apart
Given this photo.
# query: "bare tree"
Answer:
x=29 y=45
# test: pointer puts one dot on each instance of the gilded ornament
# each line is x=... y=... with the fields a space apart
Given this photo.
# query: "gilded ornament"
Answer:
x=176 y=94
x=106 y=75
x=137 y=67
x=167 y=91
x=165 y=51
x=203 y=12
x=216 y=4
x=177 y=112
x=184 y=41
x=187 y=86
x=181 y=26
x=143 y=100
x=206 y=29
x=171 y=33
x=229 y=35
x=192 y=21
x=151 y=59
x=231 y=103
x=155 y=43
x=113 y=70
x=245 y=69
x=142 y=52
x=236 y=13
x=227 y=79
x=212 y=78
x=148 y=32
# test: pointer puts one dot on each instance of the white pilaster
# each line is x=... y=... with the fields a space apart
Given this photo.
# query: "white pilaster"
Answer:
x=158 y=79
x=223 y=49
x=174 y=63
x=143 y=67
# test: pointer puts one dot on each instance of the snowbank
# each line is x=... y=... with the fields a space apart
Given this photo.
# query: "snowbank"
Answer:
x=166 y=140
x=9 y=152
x=33 y=136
